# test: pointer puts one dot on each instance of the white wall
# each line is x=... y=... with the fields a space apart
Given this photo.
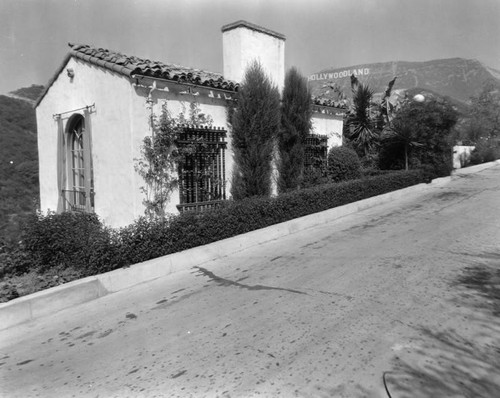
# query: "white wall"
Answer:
x=328 y=125
x=176 y=103
x=461 y=155
x=110 y=146
x=119 y=125
x=241 y=46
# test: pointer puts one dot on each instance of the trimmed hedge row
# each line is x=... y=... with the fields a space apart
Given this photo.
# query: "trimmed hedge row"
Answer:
x=82 y=242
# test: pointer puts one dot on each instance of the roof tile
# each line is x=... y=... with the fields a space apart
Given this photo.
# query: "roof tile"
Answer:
x=131 y=65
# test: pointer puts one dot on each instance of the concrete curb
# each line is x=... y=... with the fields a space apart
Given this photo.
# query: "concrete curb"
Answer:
x=55 y=299
x=475 y=169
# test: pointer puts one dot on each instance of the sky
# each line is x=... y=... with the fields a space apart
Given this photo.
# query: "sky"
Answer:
x=319 y=33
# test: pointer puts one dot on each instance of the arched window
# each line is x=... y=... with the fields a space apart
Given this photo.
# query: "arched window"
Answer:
x=79 y=192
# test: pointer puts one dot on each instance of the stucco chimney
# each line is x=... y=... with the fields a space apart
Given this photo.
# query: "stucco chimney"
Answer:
x=243 y=42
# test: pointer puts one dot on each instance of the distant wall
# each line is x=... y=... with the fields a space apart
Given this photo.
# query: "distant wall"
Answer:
x=461 y=155
x=328 y=125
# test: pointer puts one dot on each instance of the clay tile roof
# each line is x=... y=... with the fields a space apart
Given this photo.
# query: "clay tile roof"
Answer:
x=322 y=101
x=131 y=65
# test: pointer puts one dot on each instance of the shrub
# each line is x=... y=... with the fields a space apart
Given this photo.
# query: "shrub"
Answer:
x=485 y=151
x=77 y=240
x=13 y=259
x=371 y=171
x=295 y=127
x=255 y=121
x=314 y=176
x=343 y=164
x=419 y=136
x=145 y=240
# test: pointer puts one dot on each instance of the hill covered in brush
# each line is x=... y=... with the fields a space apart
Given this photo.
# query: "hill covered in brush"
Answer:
x=456 y=78
x=19 y=184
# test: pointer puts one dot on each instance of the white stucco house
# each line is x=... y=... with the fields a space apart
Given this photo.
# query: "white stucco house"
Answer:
x=95 y=112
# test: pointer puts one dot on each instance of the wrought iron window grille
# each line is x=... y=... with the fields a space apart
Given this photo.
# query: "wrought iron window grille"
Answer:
x=202 y=178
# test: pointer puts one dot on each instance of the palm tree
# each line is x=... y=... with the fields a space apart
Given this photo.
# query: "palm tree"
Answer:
x=361 y=124
x=402 y=132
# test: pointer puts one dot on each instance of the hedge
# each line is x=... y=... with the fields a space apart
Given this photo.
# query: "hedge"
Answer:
x=145 y=240
x=81 y=242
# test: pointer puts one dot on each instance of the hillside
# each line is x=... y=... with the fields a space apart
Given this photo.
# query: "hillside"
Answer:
x=456 y=78
x=18 y=162
x=29 y=94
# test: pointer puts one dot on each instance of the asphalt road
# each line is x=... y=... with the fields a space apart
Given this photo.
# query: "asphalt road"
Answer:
x=382 y=301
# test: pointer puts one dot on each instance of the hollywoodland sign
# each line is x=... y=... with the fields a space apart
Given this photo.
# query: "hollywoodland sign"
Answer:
x=340 y=74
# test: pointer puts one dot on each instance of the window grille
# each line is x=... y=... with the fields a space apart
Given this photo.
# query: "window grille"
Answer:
x=316 y=151
x=202 y=168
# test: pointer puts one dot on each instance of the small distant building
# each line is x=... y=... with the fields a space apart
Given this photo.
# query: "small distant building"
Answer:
x=95 y=112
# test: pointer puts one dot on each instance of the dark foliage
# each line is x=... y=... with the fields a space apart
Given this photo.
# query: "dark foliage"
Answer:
x=484 y=122
x=295 y=127
x=485 y=151
x=18 y=165
x=370 y=172
x=13 y=259
x=343 y=164
x=360 y=126
x=428 y=126
x=255 y=123
x=77 y=240
x=314 y=176
x=146 y=239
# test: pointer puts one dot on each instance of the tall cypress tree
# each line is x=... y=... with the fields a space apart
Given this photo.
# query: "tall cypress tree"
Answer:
x=255 y=122
x=295 y=127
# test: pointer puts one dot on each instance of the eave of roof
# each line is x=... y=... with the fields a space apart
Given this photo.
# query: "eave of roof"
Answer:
x=130 y=66
x=252 y=26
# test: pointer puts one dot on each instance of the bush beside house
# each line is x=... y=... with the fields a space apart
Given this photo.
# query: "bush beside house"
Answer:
x=343 y=164
x=485 y=151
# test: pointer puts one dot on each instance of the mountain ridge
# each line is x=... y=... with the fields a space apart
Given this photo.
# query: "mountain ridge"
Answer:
x=457 y=78
x=29 y=94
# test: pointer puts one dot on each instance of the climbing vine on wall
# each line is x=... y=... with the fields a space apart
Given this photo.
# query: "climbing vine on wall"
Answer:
x=161 y=155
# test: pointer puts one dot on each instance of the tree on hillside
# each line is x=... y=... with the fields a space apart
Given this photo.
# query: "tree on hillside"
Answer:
x=295 y=127
x=484 y=123
x=255 y=122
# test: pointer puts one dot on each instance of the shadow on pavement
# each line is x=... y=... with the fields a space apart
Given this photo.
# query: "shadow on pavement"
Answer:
x=462 y=362
x=484 y=277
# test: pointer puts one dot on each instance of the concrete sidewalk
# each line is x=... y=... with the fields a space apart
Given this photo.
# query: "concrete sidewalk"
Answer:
x=55 y=299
